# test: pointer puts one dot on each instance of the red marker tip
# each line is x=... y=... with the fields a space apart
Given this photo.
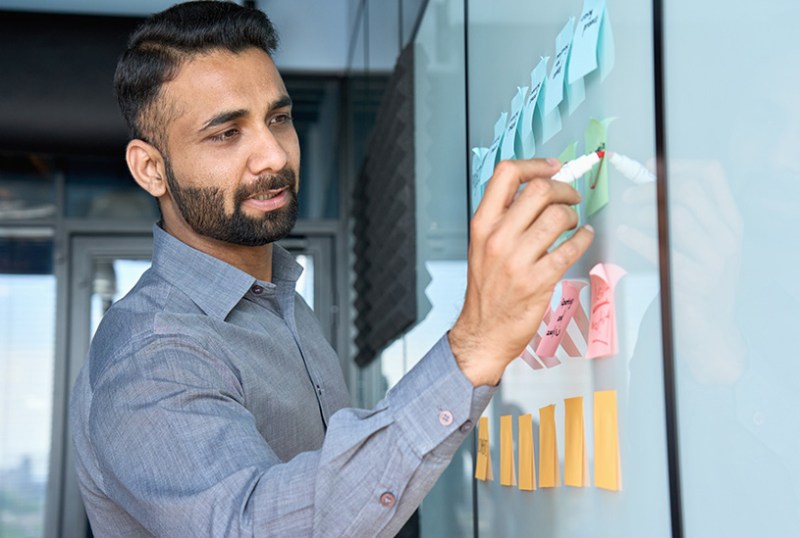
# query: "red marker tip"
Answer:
x=601 y=153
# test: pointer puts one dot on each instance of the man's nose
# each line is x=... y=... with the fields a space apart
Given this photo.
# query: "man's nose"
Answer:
x=267 y=154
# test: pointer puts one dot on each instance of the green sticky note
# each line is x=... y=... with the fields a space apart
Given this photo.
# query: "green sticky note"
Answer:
x=595 y=138
x=569 y=153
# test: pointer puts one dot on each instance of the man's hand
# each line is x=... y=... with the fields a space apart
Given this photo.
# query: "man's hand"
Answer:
x=511 y=276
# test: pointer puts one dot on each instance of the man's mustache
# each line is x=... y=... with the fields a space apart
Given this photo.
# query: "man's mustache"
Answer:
x=267 y=182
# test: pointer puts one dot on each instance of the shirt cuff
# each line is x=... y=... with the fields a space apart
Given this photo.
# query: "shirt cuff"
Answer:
x=435 y=405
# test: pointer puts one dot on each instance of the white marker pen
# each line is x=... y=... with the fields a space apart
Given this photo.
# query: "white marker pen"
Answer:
x=576 y=168
x=633 y=170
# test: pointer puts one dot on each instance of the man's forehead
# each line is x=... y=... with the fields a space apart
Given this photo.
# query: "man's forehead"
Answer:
x=219 y=80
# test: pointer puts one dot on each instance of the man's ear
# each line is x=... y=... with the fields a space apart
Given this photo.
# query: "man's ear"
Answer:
x=147 y=167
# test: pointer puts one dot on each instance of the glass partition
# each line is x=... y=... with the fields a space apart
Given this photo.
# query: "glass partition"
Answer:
x=441 y=228
x=542 y=84
x=733 y=129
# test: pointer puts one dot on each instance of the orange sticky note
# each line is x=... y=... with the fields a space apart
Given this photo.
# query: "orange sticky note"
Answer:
x=548 y=454
x=483 y=461
x=575 y=466
x=527 y=470
x=508 y=473
x=607 y=473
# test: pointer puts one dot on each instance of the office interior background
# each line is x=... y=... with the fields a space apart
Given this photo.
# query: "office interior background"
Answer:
x=389 y=98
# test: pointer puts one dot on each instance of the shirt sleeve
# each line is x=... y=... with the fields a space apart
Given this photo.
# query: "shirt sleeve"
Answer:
x=178 y=450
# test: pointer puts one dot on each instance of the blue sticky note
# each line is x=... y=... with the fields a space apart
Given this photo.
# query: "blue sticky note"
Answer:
x=548 y=123
x=576 y=91
x=527 y=139
x=510 y=143
x=605 y=47
x=555 y=80
x=593 y=39
x=478 y=156
x=493 y=155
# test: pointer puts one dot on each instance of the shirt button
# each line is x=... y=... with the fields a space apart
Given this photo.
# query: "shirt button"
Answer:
x=445 y=418
x=387 y=500
x=466 y=427
x=758 y=418
x=258 y=290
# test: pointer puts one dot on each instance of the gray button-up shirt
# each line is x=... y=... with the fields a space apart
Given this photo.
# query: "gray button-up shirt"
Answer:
x=211 y=405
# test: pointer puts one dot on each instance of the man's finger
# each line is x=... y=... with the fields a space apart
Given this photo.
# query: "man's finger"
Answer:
x=555 y=263
x=536 y=196
x=540 y=236
x=508 y=177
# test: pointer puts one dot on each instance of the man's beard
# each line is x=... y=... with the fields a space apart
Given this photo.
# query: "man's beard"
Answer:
x=203 y=209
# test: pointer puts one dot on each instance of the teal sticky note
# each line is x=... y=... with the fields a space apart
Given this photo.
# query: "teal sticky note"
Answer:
x=493 y=155
x=510 y=143
x=586 y=43
x=605 y=47
x=575 y=91
x=478 y=155
x=527 y=139
x=555 y=80
x=548 y=123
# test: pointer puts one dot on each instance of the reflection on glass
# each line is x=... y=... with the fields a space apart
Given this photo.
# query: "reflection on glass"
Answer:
x=734 y=193
x=27 y=190
x=102 y=188
x=27 y=345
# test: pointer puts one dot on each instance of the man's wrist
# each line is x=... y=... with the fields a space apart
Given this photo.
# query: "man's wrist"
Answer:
x=474 y=362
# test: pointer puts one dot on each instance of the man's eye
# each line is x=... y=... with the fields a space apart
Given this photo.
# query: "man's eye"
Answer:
x=282 y=118
x=224 y=135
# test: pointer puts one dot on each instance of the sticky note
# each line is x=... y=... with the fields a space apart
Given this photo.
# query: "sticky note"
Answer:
x=555 y=80
x=478 y=156
x=483 y=460
x=557 y=327
x=548 y=123
x=511 y=142
x=527 y=469
x=596 y=189
x=607 y=472
x=592 y=43
x=575 y=341
x=492 y=156
x=575 y=461
x=569 y=153
x=508 y=473
x=548 y=454
x=529 y=356
x=602 y=340
x=529 y=353
x=527 y=147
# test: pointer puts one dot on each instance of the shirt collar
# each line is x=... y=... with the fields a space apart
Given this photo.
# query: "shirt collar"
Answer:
x=215 y=287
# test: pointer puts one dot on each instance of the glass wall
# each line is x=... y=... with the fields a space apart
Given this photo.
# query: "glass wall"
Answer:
x=515 y=47
x=733 y=129
x=440 y=183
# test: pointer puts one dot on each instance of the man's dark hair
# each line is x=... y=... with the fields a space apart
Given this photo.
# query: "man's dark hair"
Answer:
x=165 y=41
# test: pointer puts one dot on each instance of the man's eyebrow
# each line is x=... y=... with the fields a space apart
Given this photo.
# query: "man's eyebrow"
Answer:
x=230 y=115
x=282 y=102
x=223 y=117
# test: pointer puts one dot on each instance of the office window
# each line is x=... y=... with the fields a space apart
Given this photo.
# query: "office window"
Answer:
x=27 y=350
